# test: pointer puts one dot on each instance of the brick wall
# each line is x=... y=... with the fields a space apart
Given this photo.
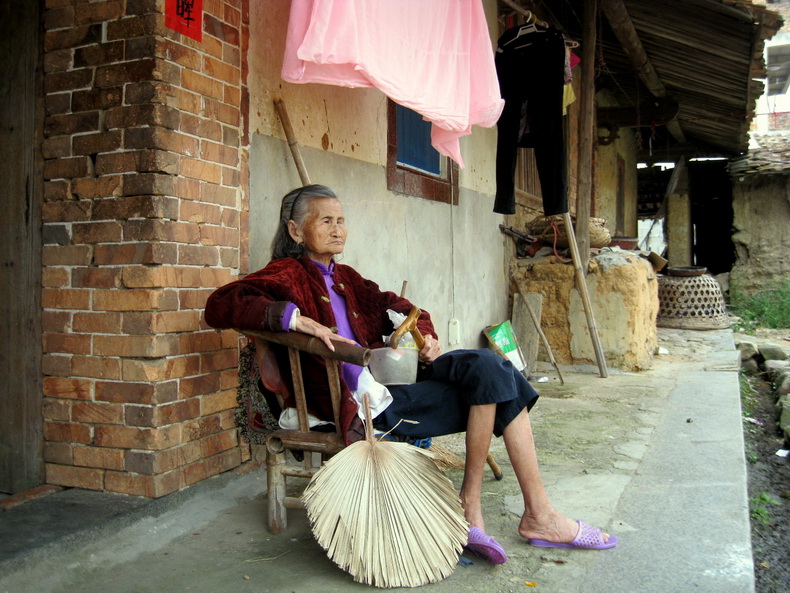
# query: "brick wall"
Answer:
x=144 y=214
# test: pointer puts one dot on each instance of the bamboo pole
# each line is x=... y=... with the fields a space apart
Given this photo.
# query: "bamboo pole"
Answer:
x=292 y=144
x=581 y=284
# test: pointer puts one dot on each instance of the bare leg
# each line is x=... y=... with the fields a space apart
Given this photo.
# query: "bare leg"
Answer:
x=479 y=429
x=540 y=520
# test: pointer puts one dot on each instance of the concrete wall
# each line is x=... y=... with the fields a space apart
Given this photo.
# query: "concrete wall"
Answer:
x=454 y=257
x=761 y=205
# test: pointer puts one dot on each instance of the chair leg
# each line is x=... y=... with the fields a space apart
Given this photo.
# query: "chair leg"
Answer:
x=275 y=480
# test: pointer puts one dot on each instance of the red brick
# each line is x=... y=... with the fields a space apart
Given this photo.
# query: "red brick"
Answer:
x=134 y=300
x=197 y=255
x=200 y=342
x=71 y=123
x=93 y=99
x=125 y=437
x=161 y=276
x=54 y=278
x=136 y=253
x=160 y=323
x=66 y=432
x=223 y=31
x=97 y=413
x=66 y=255
x=97 y=232
x=162 y=415
x=59 y=18
x=160 y=369
x=200 y=385
x=161 y=230
x=57 y=147
x=57 y=409
x=136 y=346
x=96 y=277
x=74 y=477
x=215 y=235
x=138 y=26
x=99 y=457
x=56 y=365
x=229 y=379
x=154 y=462
x=67 y=387
x=60 y=453
x=212 y=466
x=220 y=442
x=97 y=323
x=222 y=71
x=232 y=55
x=223 y=112
x=229 y=257
x=64 y=298
x=66 y=168
x=140 y=485
x=218 y=153
x=231 y=218
x=97 y=12
x=162 y=139
x=57 y=104
x=155 y=161
x=146 y=69
x=180 y=54
x=67 y=343
x=95 y=188
x=199 y=126
x=137 y=207
x=202 y=85
x=217 y=402
x=96 y=367
x=230 y=136
x=148 y=184
x=138 y=7
x=158 y=92
x=219 y=360
x=99 y=142
x=54 y=191
x=143 y=115
x=99 y=54
x=224 y=196
x=136 y=393
x=72 y=37
x=56 y=321
x=70 y=211
x=193 y=299
x=212 y=46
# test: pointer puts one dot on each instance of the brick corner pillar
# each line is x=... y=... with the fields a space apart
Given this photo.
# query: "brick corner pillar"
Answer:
x=144 y=215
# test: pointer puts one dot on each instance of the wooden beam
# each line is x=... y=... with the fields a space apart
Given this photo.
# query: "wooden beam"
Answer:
x=626 y=34
x=587 y=131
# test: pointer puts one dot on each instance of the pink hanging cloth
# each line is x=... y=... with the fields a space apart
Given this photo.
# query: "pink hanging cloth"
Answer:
x=433 y=57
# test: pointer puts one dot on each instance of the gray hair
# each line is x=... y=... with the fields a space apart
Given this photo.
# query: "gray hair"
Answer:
x=296 y=206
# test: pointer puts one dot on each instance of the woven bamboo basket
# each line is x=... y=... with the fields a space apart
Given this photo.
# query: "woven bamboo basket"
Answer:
x=691 y=302
x=543 y=228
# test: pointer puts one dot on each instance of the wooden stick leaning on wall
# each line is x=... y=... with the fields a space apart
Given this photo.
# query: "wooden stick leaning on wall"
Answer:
x=289 y=135
x=543 y=338
x=581 y=284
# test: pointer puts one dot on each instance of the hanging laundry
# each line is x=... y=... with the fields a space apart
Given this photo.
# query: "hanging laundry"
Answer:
x=530 y=64
x=432 y=57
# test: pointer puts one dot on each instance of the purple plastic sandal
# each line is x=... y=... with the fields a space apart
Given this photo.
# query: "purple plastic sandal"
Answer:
x=486 y=546
x=588 y=538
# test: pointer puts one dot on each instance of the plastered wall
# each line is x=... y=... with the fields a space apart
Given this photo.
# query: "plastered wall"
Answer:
x=454 y=257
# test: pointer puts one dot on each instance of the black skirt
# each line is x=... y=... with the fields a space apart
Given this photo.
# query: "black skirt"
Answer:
x=456 y=380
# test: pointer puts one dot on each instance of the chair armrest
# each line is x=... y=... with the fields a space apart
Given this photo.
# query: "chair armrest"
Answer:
x=343 y=352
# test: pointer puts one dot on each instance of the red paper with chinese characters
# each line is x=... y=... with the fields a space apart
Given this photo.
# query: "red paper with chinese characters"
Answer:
x=186 y=17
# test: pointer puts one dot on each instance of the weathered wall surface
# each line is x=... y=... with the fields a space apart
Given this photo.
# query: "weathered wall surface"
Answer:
x=624 y=294
x=761 y=205
x=454 y=257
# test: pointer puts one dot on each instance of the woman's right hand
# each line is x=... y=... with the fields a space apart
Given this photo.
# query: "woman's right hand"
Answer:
x=313 y=328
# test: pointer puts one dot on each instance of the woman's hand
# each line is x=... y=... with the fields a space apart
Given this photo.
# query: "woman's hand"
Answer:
x=313 y=328
x=430 y=351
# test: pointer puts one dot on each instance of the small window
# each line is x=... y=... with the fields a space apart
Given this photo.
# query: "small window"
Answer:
x=414 y=167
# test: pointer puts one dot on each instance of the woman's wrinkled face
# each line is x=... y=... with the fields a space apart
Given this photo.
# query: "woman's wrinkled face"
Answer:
x=324 y=231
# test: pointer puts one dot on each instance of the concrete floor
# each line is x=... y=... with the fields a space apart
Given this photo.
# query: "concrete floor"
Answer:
x=654 y=457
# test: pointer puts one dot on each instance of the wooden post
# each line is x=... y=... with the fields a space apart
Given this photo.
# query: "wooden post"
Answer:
x=586 y=131
x=289 y=135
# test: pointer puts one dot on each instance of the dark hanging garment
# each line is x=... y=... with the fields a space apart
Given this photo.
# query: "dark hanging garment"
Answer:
x=531 y=70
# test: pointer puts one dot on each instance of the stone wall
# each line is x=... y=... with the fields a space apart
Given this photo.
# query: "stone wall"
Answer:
x=144 y=214
x=624 y=293
x=761 y=205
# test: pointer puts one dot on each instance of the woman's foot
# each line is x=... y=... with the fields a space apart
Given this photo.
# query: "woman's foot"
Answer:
x=552 y=527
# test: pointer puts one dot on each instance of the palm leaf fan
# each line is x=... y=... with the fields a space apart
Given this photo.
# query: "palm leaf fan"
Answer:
x=386 y=514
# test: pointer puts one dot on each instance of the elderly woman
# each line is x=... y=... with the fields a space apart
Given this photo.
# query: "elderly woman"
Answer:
x=303 y=289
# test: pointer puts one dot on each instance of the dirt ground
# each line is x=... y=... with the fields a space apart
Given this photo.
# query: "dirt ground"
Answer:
x=769 y=482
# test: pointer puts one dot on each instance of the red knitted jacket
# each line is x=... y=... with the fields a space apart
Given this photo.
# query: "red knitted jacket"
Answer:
x=257 y=302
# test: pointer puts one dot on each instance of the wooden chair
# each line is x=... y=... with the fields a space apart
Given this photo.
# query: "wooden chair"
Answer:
x=278 y=466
